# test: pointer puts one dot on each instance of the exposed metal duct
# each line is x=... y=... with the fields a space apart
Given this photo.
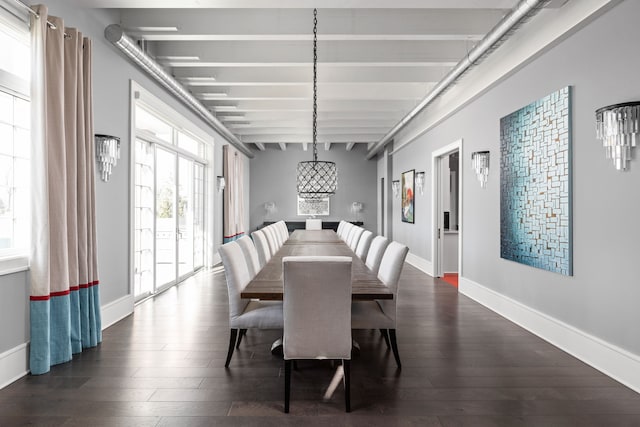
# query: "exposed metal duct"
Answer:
x=489 y=42
x=116 y=35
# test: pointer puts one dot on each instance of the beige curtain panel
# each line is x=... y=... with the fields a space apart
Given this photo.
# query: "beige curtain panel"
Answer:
x=65 y=307
x=233 y=194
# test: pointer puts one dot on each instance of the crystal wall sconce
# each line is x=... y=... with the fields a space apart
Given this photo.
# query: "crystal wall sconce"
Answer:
x=270 y=207
x=480 y=163
x=618 y=126
x=107 y=154
x=395 y=186
x=222 y=184
x=356 y=207
x=420 y=182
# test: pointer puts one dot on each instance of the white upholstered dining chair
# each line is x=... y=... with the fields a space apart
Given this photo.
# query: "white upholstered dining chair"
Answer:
x=283 y=230
x=272 y=239
x=262 y=246
x=250 y=254
x=381 y=314
x=317 y=313
x=345 y=231
x=363 y=244
x=355 y=238
x=376 y=251
x=341 y=226
x=313 y=224
x=245 y=313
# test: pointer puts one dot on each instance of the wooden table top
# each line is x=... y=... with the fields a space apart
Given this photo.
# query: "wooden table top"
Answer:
x=268 y=283
x=313 y=236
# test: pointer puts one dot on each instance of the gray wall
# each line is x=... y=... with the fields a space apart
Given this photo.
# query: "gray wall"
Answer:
x=273 y=179
x=112 y=74
x=14 y=311
x=600 y=63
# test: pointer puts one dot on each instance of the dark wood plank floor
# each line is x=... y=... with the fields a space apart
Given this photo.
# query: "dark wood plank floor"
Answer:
x=463 y=365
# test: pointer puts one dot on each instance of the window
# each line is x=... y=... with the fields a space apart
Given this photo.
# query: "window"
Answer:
x=15 y=144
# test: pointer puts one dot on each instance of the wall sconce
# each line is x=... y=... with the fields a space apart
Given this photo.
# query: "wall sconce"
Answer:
x=222 y=184
x=420 y=182
x=480 y=164
x=618 y=126
x=356 y=207
x=107 y=154
x=270 y=207
x=395 y=186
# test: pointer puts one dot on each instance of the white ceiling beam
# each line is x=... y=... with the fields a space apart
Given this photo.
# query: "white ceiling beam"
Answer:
x=325 y=91
x=298 y=52
x=350 y=146
x=454 y=17
x=259 y=145
x=328 y=105
x=244 y=131
x=163 y=36
x=283 y=146
x=282 y=115
x=297 y=4
x=281 y=125
x=220 y=64
x=356 y=75
x=301 y=138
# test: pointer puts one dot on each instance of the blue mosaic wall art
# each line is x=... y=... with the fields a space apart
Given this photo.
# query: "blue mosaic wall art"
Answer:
x=535 y=184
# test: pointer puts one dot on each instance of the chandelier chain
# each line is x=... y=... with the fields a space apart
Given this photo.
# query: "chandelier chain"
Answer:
x=315 y=84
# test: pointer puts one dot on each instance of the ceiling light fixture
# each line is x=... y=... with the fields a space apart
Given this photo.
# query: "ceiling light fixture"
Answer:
x=316 y=179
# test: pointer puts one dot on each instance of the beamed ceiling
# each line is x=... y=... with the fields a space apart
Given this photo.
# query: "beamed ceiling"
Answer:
x=250 y=61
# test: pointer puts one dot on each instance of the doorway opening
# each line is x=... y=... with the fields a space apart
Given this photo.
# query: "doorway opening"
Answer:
x=447 y=212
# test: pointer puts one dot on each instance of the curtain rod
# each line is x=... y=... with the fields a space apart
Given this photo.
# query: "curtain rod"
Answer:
x=36 y=14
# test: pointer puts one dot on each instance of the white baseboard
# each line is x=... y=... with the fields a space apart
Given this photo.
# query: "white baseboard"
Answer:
x=14 y=364
x=117 y=310
x=613 y=361
x=420 y=263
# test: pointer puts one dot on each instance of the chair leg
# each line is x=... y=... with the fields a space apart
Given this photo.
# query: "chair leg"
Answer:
x=242 y=333
x=346 y=366
x=385 y=335
x=287 y=385
x=232 y=343
x=394 y=346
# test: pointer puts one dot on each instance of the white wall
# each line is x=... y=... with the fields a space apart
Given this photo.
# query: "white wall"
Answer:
x=600 y=301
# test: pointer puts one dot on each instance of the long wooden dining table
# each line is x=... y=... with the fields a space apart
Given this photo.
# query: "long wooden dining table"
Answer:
x=268 y=283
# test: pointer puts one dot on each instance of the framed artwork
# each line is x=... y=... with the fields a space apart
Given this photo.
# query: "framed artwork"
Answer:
x=408 y=184
x=535 y=184
x=319 y=207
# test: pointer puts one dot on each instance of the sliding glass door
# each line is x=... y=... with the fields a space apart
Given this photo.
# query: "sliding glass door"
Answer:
x=169 y=217
x=169 y=241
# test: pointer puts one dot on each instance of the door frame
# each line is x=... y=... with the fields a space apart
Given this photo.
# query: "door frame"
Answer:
x=437 y=215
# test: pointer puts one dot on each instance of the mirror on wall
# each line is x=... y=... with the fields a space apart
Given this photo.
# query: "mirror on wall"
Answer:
x=450 y=180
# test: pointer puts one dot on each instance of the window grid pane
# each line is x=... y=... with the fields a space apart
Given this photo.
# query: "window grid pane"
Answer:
x=14 y=175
